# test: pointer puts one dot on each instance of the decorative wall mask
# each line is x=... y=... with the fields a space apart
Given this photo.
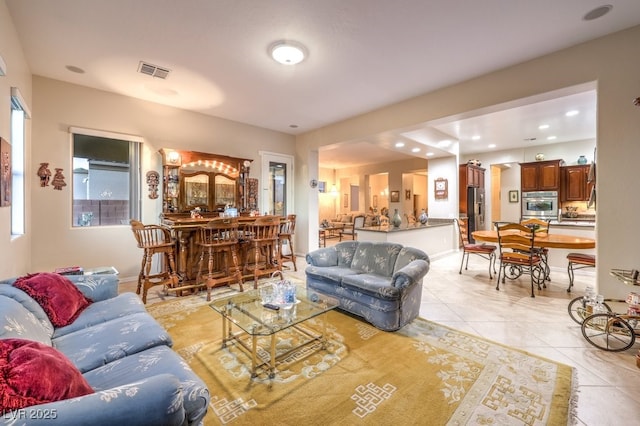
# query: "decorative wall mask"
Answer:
x=45 y=174
x=5 y=173
x=153 y=179
x=58 y=180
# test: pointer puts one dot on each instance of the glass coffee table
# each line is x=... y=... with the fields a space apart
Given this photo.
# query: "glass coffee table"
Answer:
x=257 y=324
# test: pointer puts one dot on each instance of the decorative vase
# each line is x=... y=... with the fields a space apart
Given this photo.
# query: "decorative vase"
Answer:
x=539 y=156
x=582 y=160
x=423 y=217
x=397 y=220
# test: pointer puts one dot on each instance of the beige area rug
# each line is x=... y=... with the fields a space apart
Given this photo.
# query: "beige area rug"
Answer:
x=423 y=374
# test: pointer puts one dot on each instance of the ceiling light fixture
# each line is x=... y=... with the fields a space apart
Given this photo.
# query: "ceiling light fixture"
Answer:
x=598 y=12
x=551 y=138
x=399 y=144
x=543 y=126
x=415 y=150
x=475 y=137
x=287 y=52
x=493 y=145
x=572 y=113
x=430 y=154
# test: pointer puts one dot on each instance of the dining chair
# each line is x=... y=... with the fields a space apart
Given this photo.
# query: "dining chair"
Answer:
x=578 y=261
x=486 y=251
x=518 y=255
x=540 y=227
x=350 y=229
x=218 y=242
x=155 y=240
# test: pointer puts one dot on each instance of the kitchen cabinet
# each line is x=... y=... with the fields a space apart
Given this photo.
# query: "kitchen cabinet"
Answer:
x=469 y=176
x=540 y=175
x=574 y=183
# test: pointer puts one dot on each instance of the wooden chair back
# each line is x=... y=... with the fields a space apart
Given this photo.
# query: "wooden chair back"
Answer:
x=219 y=231
x=149 y=236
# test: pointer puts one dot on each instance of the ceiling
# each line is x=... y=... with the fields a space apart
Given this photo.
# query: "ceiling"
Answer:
x=362 y=55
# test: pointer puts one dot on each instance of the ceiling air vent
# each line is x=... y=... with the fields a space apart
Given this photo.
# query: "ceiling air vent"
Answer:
x=153 y=70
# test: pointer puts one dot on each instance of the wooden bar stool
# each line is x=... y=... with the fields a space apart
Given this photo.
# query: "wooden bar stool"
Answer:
x=155 y=239
x=578 y=261
x=287 y=229
x=218 y=240
x=261 y=250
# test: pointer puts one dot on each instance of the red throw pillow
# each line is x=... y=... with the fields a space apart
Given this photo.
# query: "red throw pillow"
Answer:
x=60 y=299
x=33 y=373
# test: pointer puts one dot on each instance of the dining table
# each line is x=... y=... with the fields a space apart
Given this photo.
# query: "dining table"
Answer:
x=543 y=240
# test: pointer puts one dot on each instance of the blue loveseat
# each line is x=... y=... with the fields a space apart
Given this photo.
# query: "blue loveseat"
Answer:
x=121 y=351
x=378 y=281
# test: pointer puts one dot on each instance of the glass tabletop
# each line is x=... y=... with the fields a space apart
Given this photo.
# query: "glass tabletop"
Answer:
x=247 y=312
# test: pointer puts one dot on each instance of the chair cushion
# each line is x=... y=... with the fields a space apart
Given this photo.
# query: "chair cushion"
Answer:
x=32 y=373
x=583 y=258
x=59 y=297
x=480 y=248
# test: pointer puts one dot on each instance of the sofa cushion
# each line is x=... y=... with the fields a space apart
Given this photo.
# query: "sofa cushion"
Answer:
x=329 y=273
x=376 y=258
x=98 y=312
x=32 y=373
x=373 y=285
x=103 y=343
x=60 y=299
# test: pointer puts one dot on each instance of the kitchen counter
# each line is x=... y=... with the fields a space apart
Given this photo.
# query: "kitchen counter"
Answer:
x=435 y=238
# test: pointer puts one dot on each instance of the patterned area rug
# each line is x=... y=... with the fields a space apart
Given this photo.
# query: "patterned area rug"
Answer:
x=422 y=374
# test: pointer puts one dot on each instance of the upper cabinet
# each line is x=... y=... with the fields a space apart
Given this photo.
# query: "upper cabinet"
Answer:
x=540 y=176
x=471 y=175
x=208 y=181
x=574 y=183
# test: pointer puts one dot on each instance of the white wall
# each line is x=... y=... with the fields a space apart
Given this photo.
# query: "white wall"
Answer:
x=611 y=61
x=15 y=252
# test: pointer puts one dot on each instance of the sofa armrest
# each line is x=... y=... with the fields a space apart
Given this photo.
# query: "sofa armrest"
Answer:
x=96 y=287
x=327 y=256
x=154 y=401
x=410 y=274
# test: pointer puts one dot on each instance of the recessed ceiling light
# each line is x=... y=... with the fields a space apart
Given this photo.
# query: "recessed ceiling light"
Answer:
x=543 y=126
x=444 y=143
x=572 y=113
x=550 y=138
x=430 y=154
x=493 y=145
x=415 y=149
x=475 y=137
x=287 y=52
x=399 y=144
x=598 y=12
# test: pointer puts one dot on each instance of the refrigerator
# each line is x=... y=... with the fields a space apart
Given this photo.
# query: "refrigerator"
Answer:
x=475 y=210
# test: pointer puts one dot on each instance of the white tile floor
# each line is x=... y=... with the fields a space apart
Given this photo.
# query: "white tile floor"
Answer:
x=608 y=382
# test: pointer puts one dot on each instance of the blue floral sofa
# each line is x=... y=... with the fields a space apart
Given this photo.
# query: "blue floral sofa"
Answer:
x=114 y=351
x=378 y=281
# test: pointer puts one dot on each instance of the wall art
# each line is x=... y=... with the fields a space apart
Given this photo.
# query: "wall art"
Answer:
x=58 y=180
x=153 y=179
x=5 y=173
x=44 y=174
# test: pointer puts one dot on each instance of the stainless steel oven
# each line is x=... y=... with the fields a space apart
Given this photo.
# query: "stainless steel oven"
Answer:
x=540 y=204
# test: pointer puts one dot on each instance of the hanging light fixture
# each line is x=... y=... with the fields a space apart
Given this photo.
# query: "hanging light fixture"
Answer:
x=287 y=52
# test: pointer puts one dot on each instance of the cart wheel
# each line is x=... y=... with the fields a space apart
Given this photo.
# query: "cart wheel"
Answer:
x=609 y=332
x=578 y=309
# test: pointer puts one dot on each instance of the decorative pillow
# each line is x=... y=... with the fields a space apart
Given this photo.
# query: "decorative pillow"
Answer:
x=33 y=373
x=58 y=297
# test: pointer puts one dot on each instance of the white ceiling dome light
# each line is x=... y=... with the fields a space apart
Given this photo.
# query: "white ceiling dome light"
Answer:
x=287 y=52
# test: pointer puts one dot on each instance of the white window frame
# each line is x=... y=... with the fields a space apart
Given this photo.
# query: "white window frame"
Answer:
x=20 y=112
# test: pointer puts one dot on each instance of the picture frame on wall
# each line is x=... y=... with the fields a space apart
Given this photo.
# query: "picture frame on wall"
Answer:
x=395 y=196
x=407 y=194
x=441 y=188
x=345 y=200
x=375 y=201
x=5 y=173
x=514 y=196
